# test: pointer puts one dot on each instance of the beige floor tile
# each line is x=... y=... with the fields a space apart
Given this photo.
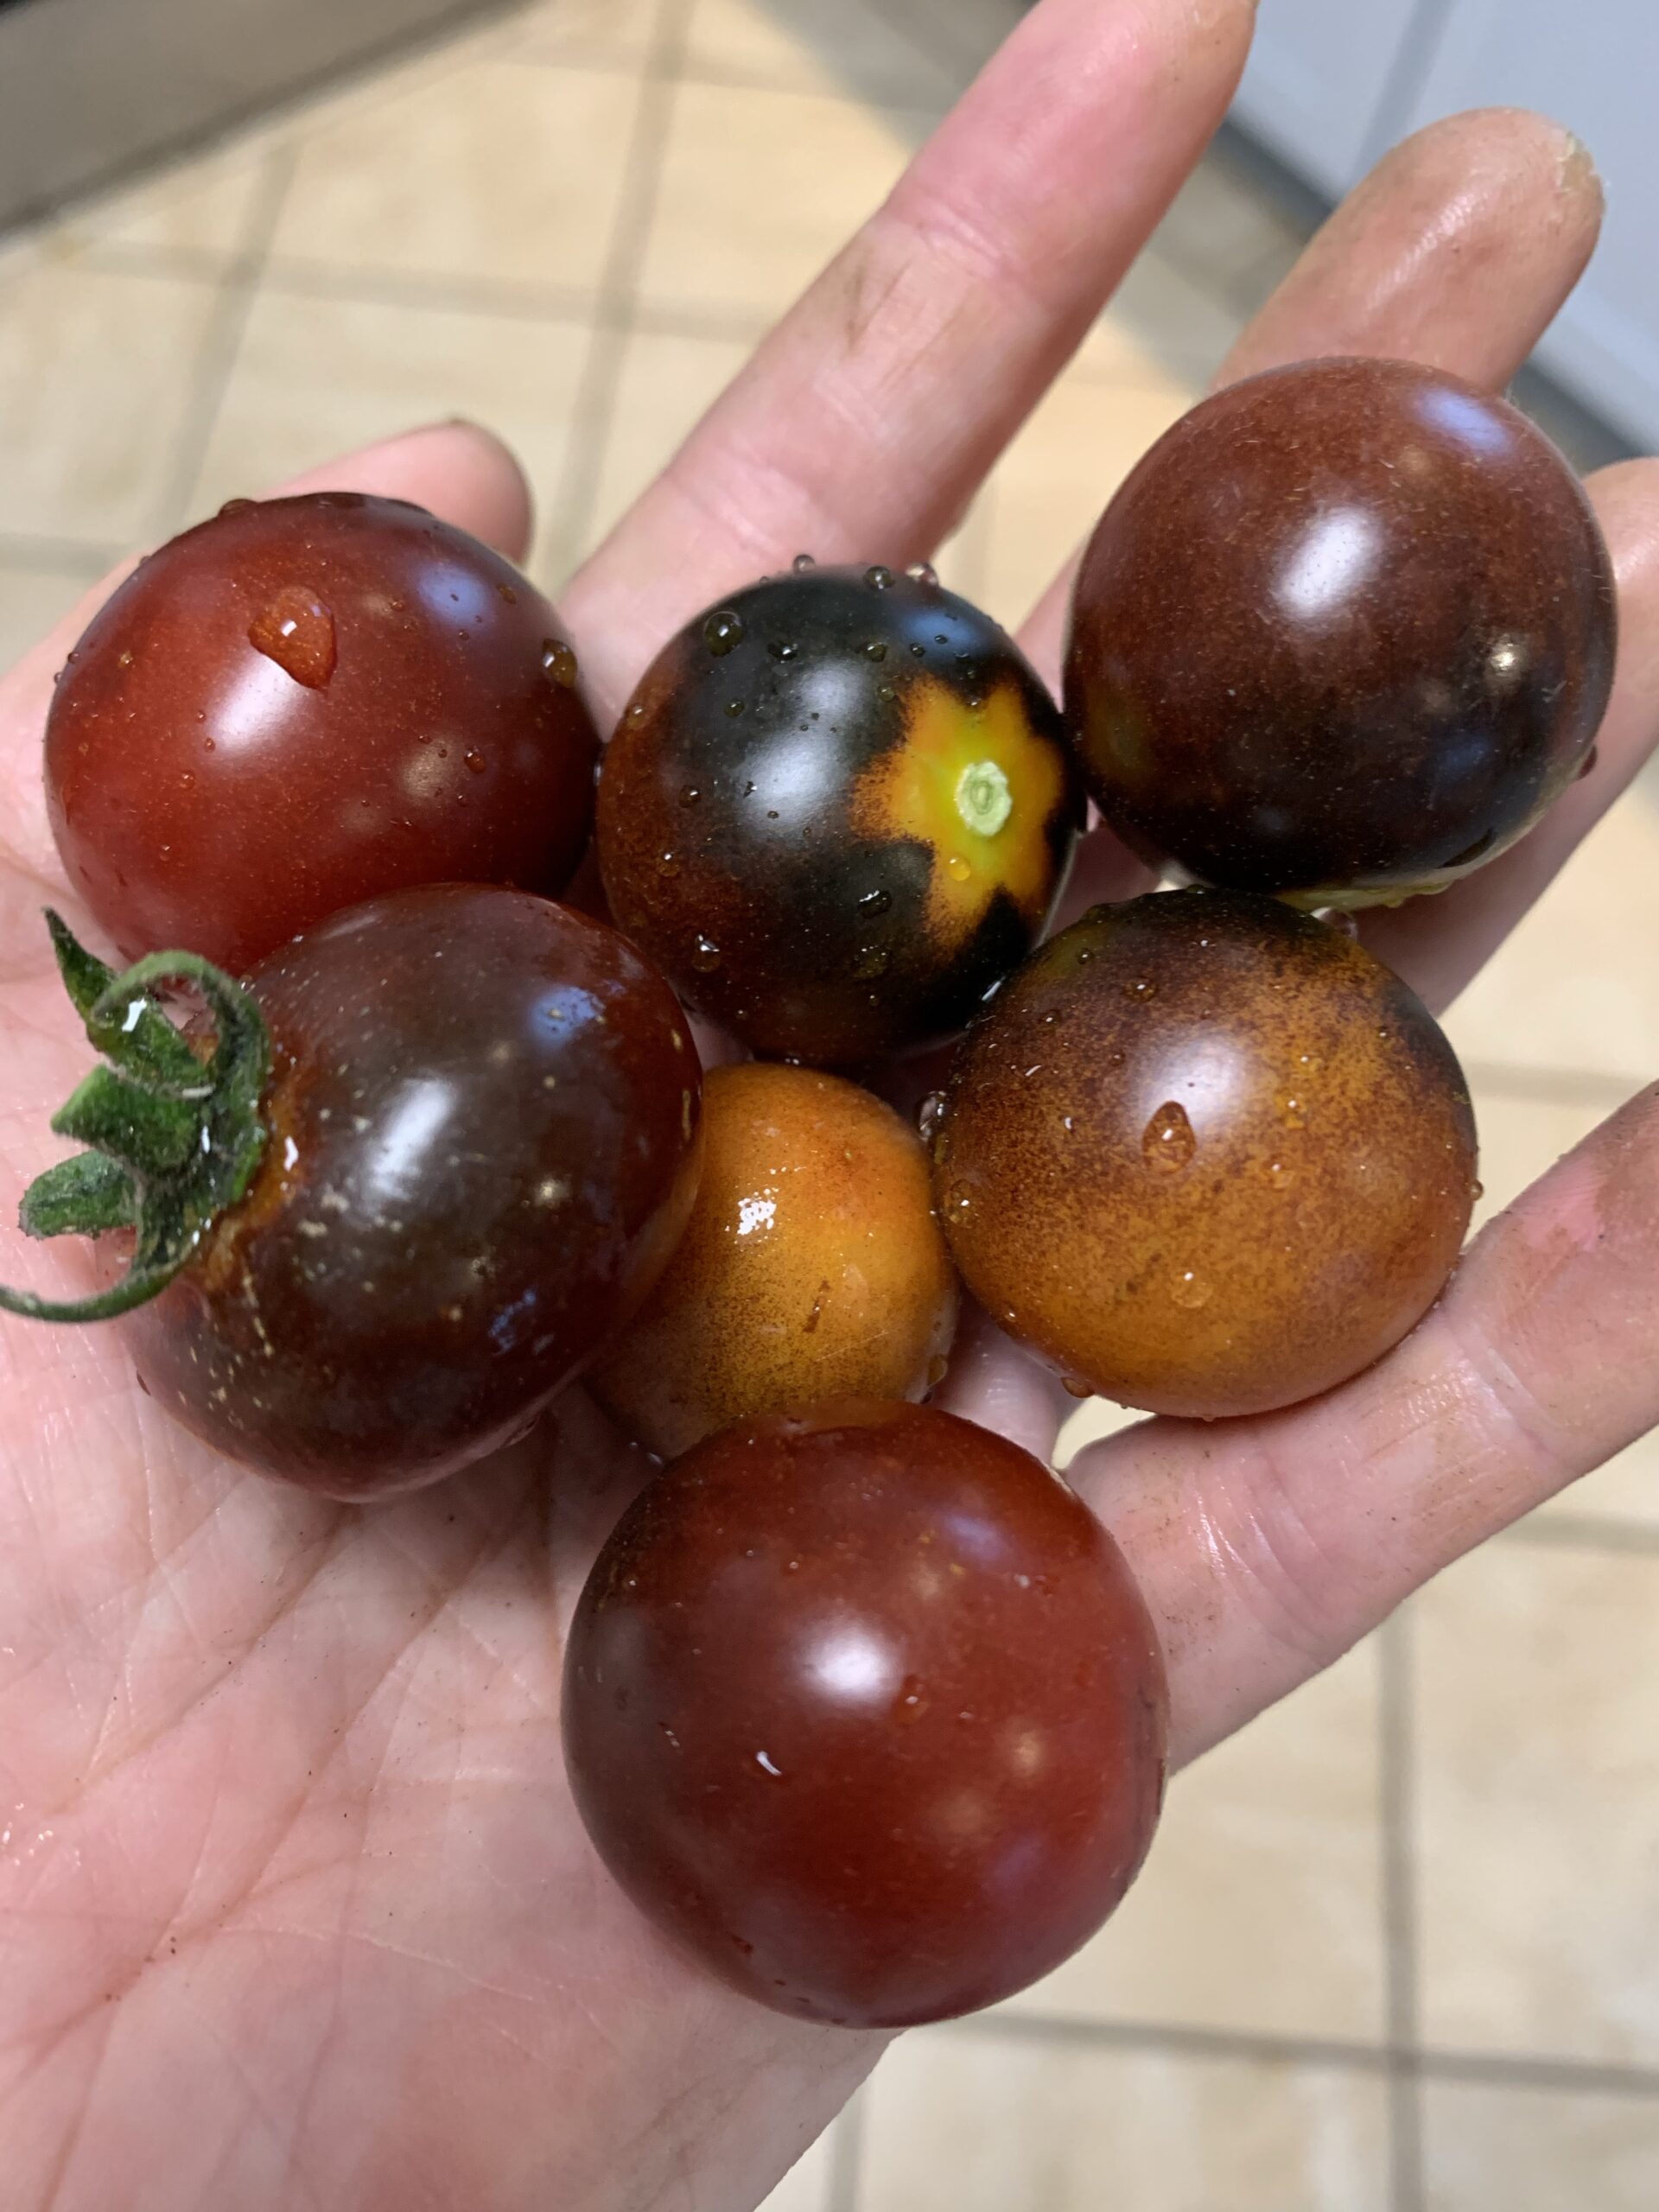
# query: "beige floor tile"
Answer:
x=1534 y=2150
x=981 y=2123
x=1161 y=325
x=565 y=30
x=1520 y=1139
x=96 y=375
x=317 y=376
x=31 y=602
x=838 y=46
x=1261 y=1908
x=1537 y=1803
x=666 y=386
x=200 y=207
x=805 y=2187
x=490 y=170
x=1051 y=485
x=758 y=188
x=1577 y=985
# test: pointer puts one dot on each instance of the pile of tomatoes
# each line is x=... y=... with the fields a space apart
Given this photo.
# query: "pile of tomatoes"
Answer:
x=389 y=1147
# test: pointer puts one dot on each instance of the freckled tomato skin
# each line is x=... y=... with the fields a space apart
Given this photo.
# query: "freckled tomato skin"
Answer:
x=1206 y=1154
x=483 y=1145
x=866 y=1708
x=782 y=824
x=409 y=717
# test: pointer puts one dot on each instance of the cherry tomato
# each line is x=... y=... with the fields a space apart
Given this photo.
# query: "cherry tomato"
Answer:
x=482 y=1147
x=837 y=812
x=1206 y=1154
x=813 y=1266
x=1344 y=632
x=867 y=1710
x=302 y=704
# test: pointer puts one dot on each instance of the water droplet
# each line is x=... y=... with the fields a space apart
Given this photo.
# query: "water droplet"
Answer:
x=1589 y=764
x=874 y=960
x=1477 y=1192
x=187 y=781
x=1068 y=1122
x=1167 y=1141
x=723 y=631
x=669 y=1733
x=938 y=1368
x=705 y=955
x=560 y=662
x=689 y=795
x=297 y=631
x=802 y=563
x=667 y=865
x=783 y=649
x=506 y=595
x=771 y=814
x=768 y=1765
x=477 y=763
x=1142 y=989
x=873 y=903
x=1190 y=1290
x=1292 y=1109
x=733 y=708
x=637 y=711
x=125 y=658
x=922 y=572
x=1075 y=1385
x=957 y=1201
x=918 y=653
x=1279 y=1175
x=958 y=868
x=885 y=692
x=210 y=745
x=875 y=650
x=910 y=1703
x=878 y=578
x=239 y=506
x=929 y=1116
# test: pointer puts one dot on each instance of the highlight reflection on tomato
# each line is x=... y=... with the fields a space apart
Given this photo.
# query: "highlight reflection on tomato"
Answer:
x=837 y=812
x=866 y=1709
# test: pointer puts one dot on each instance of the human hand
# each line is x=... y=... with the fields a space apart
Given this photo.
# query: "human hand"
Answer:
x=295 y=1906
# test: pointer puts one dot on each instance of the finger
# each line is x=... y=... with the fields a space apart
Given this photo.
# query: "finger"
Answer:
x=996 y=1383
x=1266 y=1547
x=461 y=472
x=1457 y=250
x=866 y=420
x=1438 y=944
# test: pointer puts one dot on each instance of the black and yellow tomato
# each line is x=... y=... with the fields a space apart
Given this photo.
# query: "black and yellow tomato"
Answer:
x=837 y=812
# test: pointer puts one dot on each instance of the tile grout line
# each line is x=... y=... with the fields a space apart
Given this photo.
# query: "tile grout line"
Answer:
x=238 y=289
x=847 y=2156
x=1264 y=2047
x=1400 y=1932
x=594 y=411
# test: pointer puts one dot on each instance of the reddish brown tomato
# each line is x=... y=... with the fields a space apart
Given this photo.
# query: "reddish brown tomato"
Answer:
x=1206 y=1154
x=866 y=1709
x=483 y=1126
x=836 y=812
x=301 y=704
x=1345 y=633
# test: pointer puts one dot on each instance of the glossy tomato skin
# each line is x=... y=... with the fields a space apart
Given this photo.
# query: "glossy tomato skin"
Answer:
x=865 y=1707
x=1206 y=1154
x=483 y=1145
x=781 y=822
x=813 y=1266
x=1345 y=633
x=303 y=703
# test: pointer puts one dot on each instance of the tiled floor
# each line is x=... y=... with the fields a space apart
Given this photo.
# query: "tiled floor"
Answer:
x=1398 y=1951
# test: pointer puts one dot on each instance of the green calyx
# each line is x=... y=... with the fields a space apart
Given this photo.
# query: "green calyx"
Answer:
x=173 y=1138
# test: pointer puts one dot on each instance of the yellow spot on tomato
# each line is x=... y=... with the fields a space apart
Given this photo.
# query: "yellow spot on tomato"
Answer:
x=944 y=784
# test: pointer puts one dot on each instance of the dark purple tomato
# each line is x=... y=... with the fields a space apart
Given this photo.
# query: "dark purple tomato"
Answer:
x=1206 y=1154
x=483 y=1146
x=837 y=812
x=301 y=704
x=1344 y=634
x=866 y=1708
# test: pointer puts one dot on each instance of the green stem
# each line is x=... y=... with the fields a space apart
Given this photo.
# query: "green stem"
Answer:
x=173 y=1140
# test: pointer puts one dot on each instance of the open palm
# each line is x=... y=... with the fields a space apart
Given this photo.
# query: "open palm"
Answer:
x=294 y=1907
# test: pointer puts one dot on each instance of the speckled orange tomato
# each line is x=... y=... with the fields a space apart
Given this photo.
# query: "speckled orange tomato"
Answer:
x=812 y=1266
x=837 y=812
x=1206 y=1154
